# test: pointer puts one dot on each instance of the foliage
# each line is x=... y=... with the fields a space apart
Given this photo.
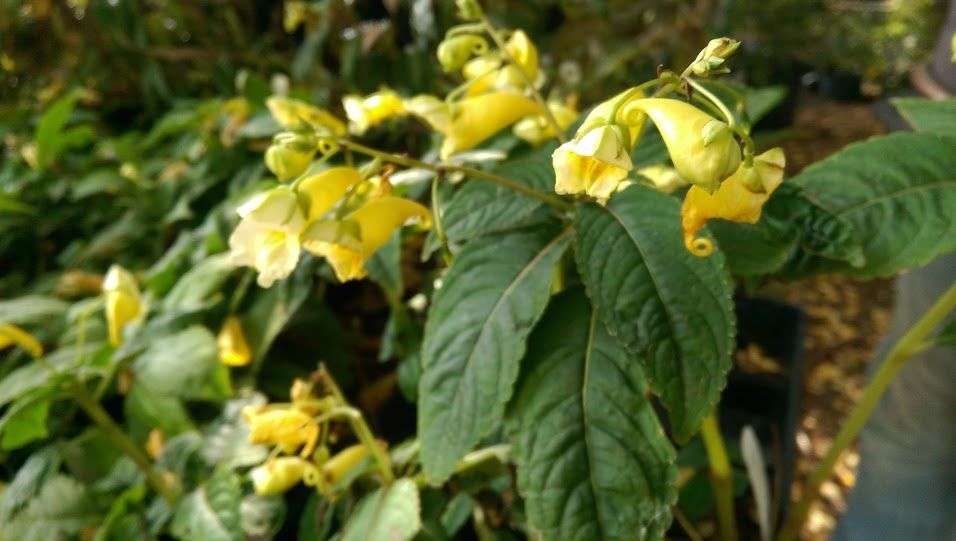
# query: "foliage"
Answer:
x=229 y=385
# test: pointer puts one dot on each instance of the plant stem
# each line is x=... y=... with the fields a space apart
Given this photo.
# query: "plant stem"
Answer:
x=731 y=120
x=554 y=201
x=502 y=46
x=686 y=524
x=911 y=343
x=436 y=218
x=359 y=426
x=119 y=438
x=721 y=476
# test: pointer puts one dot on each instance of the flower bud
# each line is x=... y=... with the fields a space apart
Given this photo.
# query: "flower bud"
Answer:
x=124 y=304
x=537 y=129
x=279 y=474
x=233 y=348
x=703 y=149
x=289 y=157
x=593 y=163
x=455 y=51
x=711 y=59
x=733 y=200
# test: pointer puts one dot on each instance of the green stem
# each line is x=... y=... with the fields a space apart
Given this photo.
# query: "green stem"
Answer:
x=721 y=476
x=119 y=438
x=554 y=201
x=686 y=524
x=731 y=119
x=359 y=426
x=502 y=46
x=911 y=343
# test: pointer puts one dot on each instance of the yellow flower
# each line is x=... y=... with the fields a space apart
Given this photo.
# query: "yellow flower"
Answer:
x=593 y=163
x=287 y=428
x=477 y=118
x=12 y=335
x=233 y=348
x=293 y=114
x=371 y=110
x=279 y=474
x=124 y=303
x=267 y=237
x=323 y=190
x=701 y=147
x=734 y=200
x=536 y=129
x=348 y=244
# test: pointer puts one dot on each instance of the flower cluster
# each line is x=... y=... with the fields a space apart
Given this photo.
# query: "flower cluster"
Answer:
x=725 y=182
x=298 y=432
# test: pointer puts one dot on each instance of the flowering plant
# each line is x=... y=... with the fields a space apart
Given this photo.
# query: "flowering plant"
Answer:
x=585 y=279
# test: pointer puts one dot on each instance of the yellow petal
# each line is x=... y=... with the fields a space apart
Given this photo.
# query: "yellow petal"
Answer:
x=371 y=110
x=293 y=114
x=288 y=428
x=481 y=74
x=593 y=164
x=733 y=200
x=342 y=464
x=323 y=190
x=478 y=118
x=433 y=111
x=614 y=111
x=12 y=335
x=375 y=222
x=524 y=53
x=286 y=162
x=233 y=348
x=683 y=128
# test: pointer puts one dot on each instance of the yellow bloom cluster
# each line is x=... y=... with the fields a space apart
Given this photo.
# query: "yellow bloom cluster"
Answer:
x=276 y=225
x=294 y=430
x=703 y=150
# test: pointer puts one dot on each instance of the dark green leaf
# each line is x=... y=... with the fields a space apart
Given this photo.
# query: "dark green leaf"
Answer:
x=491 y=297
x=481 y=207
x=898 y=192
x=211 y=512
x=672 y=308
x=947 y=336
x=60 y=510
x=385 y=267
x=28 y=480
x=24 y=421
x=391 y=513
x=593 y=460
x=931 y=116
x=186 y=365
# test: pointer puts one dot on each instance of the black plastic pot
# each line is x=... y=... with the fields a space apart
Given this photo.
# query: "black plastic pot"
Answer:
x=769 y=402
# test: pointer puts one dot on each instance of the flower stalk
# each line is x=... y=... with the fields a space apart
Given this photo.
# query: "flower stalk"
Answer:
x=721 y=476
x=910 y=344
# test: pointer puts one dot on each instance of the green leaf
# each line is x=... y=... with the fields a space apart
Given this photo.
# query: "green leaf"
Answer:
x=185 y=364
x=31 y=309
x=391 y=513
x=481 y=207
x=593 y=461
x=385 y=267
x=200 y=287
x=898 y=192
x=31 y=476
x=662 y=302
x=929 y=116
x=491 y=297
x=24 y=422
x=149 y=409
x=211 y=512
x=794 y=237
x=60 y=510
x=37 y=374
x=9 y=203
x=49 y=136
x=273 y=308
